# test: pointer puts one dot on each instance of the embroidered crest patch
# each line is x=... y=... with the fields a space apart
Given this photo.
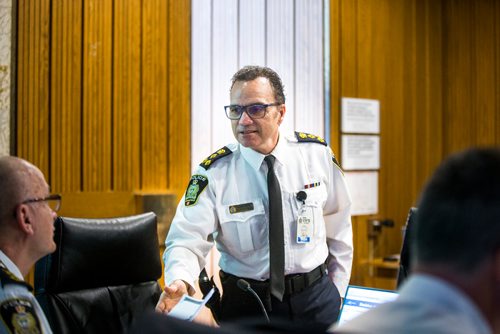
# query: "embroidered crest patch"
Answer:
x=336 y=163
x=215 y=156
x=18 y=314
x=303 y=137
x=195 y=187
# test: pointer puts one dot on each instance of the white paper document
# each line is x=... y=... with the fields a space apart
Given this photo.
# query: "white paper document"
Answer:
x=189 y=307
x=360 y=115
x=360 y=152
x=363 y=187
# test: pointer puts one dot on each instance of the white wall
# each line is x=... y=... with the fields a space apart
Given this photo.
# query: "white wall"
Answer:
x=5 y=73
x=286 y=35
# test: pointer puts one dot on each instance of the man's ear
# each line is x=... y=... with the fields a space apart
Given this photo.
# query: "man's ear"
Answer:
x=282 y=113
x=24 y=219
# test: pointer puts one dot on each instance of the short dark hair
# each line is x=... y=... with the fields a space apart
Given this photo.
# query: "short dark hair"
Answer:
x=249 y=73
x=458 y=219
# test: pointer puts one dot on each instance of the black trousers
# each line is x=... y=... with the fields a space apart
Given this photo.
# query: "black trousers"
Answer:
x=315 y=307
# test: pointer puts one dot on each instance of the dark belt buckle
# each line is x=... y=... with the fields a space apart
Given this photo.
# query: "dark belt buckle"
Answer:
x=306 y=280
x=297 y=283
x=300 y=282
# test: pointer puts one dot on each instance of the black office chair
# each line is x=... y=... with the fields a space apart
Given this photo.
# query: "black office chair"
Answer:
x=103 y=275
x=405 y=258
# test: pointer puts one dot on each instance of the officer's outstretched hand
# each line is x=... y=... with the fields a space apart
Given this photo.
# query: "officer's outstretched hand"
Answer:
x=171 y=296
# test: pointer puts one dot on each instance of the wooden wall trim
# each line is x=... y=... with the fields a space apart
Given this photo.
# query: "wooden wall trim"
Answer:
x=103 y=95
x=179 y=117
x=65 y=96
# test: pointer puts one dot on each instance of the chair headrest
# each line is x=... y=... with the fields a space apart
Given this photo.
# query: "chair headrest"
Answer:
x=104 y=252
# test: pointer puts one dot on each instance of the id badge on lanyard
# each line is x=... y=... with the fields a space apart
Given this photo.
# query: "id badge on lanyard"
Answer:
x=305 y=224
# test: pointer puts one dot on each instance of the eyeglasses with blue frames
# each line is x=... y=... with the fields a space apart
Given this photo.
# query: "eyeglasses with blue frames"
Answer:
x=254 y=111
x=54 y=201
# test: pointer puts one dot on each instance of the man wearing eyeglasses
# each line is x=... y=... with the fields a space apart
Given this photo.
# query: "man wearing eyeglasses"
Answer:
x=278 y=210
x=27 y=214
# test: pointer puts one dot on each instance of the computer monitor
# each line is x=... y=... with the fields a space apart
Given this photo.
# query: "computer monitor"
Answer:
x=405 y=257
x=358 y=300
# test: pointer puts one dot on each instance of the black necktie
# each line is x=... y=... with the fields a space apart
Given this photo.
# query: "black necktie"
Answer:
x=276 y=237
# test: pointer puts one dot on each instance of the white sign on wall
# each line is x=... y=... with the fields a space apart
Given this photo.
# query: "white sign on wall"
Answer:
x=363 y=187
x=360 y=152
x=360 y=115
x=360 y=148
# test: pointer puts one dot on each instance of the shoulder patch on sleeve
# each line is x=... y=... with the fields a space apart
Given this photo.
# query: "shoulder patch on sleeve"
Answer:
x=303 y=137
x=19 y=316
x=215 y=156
x=336 y=163
x=196 y=185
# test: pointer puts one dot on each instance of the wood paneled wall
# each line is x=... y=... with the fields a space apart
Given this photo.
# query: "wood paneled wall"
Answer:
x=434 y=66
x=103 y=95
x=103 y=99
x=471 y=80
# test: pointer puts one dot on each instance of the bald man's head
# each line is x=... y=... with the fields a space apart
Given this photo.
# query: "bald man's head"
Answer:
x=18 y=179
x=26 y=218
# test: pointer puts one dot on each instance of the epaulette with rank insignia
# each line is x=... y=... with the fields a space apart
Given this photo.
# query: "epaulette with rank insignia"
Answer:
x=303 y=137
x=6 y=277
x=215 y=156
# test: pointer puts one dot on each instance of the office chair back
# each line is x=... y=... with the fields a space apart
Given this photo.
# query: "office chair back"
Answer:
x=405 y=257
x=103 y=275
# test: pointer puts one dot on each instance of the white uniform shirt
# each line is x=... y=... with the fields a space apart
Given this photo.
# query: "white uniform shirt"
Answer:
x=425 y=304
x=18 y=307
x=239 y=180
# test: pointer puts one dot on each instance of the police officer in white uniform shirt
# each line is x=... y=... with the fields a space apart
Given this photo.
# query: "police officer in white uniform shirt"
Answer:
x=27 y=214
x=228 y=201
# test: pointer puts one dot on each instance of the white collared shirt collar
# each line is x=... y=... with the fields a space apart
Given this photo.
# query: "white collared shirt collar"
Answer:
x=252 y=157
x=11 y=266
x=255 y=159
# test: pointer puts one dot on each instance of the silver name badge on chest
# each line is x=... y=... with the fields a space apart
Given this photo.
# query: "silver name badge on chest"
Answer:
x=305 y=220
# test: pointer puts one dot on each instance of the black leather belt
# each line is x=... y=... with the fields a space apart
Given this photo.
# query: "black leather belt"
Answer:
x=294 y=283
x=298 y=282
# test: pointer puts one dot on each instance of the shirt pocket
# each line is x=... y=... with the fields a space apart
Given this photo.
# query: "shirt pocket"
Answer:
x=245 y=231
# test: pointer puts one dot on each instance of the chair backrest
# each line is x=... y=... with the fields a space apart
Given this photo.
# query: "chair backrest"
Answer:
x=405 y=257
x=103 y=275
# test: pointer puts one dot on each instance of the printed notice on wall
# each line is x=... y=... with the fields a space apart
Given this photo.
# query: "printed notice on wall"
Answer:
x=360 y=152
x=360 y=115
x=363 y=187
